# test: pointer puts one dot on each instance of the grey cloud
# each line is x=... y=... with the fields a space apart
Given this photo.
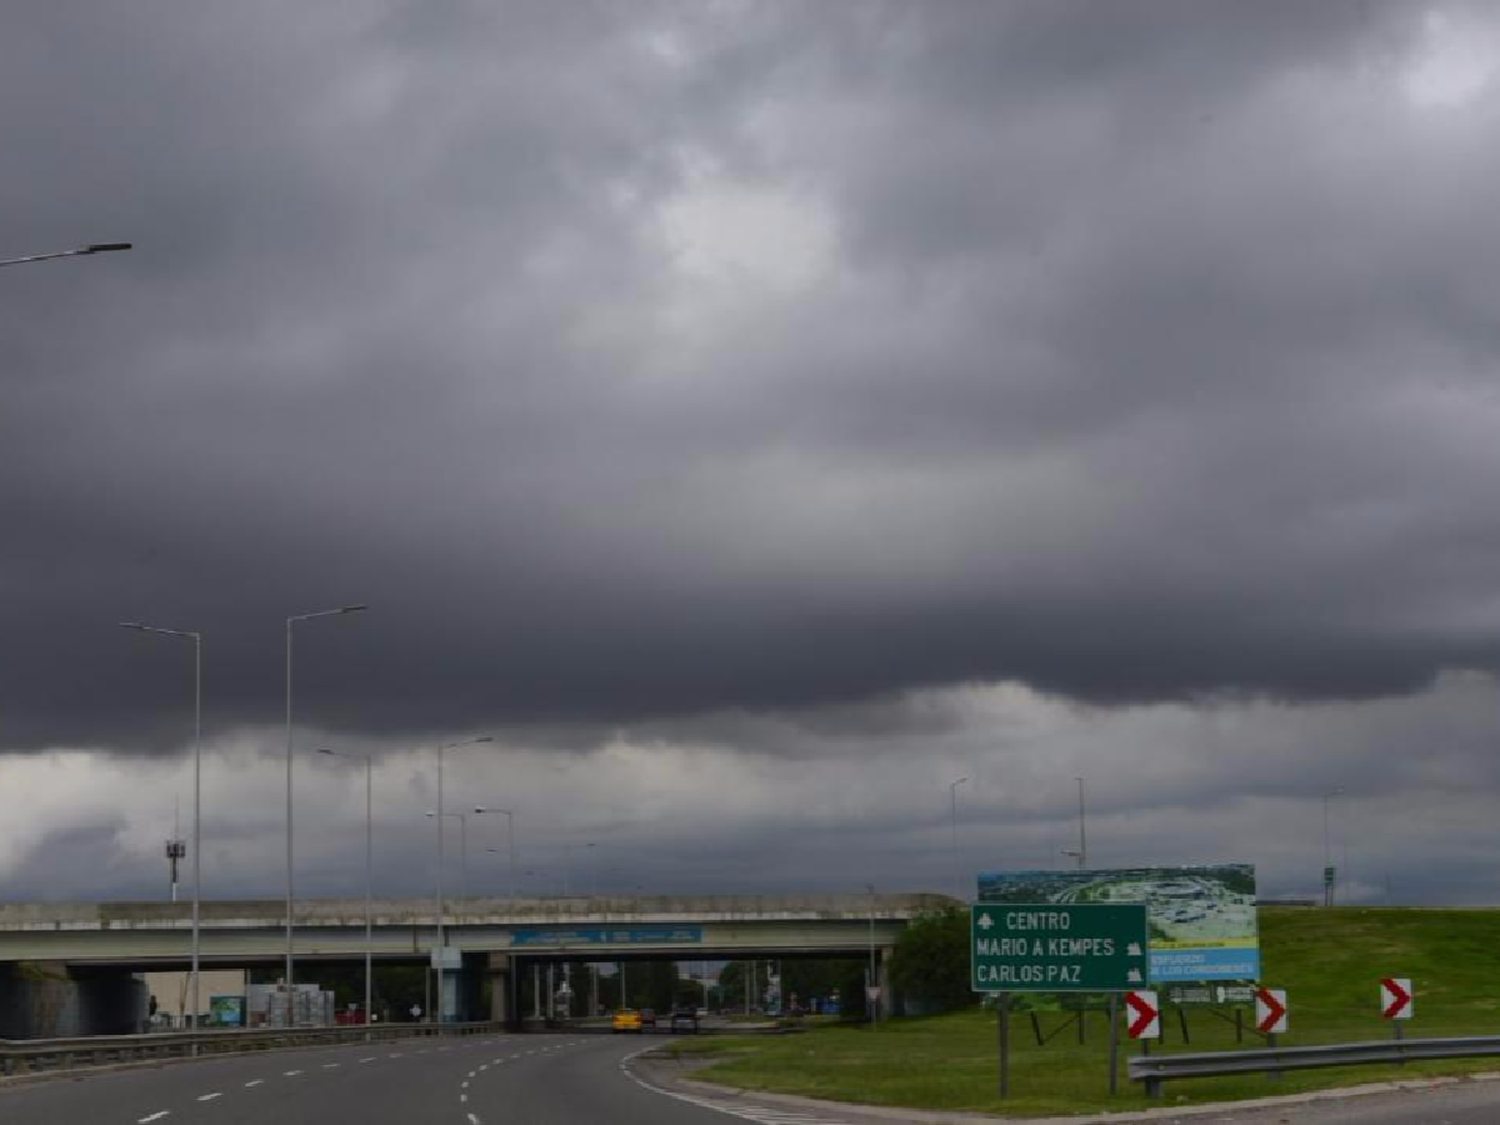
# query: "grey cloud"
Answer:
x=1141 y=364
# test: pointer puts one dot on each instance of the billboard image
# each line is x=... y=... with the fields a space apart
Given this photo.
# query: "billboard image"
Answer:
x=1201 y=919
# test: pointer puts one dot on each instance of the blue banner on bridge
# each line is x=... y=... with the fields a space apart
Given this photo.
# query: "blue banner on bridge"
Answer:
x=609 y=935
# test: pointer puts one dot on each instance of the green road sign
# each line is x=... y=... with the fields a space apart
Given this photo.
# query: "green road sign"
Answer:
x=1057 y=948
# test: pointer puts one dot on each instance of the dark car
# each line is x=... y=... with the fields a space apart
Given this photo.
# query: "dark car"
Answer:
x=685 y=1018
x=648 y=1017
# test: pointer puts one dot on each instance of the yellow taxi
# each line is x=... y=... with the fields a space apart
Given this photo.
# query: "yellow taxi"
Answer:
x=625 y=1019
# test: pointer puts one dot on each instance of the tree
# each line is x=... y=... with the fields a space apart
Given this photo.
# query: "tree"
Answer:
x=930 y=964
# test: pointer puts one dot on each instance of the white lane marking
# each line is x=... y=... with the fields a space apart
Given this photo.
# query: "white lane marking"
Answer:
x=332 y=1066
x=209 y=1097
x=473 y=1120
x=463 y=1085
x=394 y=1055
x=153 y=1117
x=254 y=1082
x=463 y=1099
x=290 y=1073
x=370 y=1059
x=482 y=1068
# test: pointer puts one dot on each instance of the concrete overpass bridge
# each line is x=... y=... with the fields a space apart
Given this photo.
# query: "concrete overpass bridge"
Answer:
x=101 y=944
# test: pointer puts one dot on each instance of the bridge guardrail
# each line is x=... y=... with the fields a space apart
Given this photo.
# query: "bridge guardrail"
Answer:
x=23 y=1056
x=1155 y=1070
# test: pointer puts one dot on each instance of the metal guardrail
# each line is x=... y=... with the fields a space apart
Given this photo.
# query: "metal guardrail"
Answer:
x=1154 y=1070
x=23 y=1056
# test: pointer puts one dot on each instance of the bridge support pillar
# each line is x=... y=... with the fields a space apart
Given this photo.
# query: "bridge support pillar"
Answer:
x=502 y=1000
x=44 y=1001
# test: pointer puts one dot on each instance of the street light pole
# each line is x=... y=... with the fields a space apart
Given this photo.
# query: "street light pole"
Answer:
x=442 y=940
x=369 y=871
x=953 y=820
x=1328 y=847
x=873 y=1001
x=197 y=639
x=1083 y=838
x=291 y=1009
x=510 y=831
x=78 y=252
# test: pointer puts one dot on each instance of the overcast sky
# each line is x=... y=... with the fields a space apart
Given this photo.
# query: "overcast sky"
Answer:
x=754 y=417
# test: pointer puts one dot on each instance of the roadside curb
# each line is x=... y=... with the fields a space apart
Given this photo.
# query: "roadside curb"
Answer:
x=662 y=1073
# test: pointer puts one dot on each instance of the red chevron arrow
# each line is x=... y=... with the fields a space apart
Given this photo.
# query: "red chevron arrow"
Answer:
x=1399 y=997
x=1145 y=1013
x=1275 y=1009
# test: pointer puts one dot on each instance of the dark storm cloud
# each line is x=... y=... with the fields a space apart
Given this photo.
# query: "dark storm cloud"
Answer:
x=1134 y=352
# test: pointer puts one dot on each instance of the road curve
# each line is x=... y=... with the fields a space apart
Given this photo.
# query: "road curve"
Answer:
x=537 y=1079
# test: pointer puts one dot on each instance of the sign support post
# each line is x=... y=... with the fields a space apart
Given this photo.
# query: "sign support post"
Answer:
x=1395 y=1002
x=1114 y=1043
x=1002 y=1012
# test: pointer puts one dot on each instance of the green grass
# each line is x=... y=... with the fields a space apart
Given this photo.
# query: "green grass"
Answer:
x=1330 y=961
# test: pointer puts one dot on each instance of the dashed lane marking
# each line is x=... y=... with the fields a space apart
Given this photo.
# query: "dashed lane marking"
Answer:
x=290 y=1073
x=253 y=1082
x=332 y=1066
x=210 y=1097
x=154 y=1117
x=369 y=1059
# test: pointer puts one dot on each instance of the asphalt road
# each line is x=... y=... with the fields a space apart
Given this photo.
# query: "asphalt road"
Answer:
x=548 y=1080
x=534 y=1079
x=1455 y=1103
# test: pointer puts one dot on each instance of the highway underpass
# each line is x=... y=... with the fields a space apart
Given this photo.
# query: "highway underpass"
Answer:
x=99 y=946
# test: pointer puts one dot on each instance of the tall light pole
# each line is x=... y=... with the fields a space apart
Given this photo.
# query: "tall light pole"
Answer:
x=1083 y=835
x=291 y=1009
x=593 y=869
x=369 y=870
x=197 y=640
x=442 y=939
x=77 y=252
x=958 y=870
x=510 y=831
x=1328 y=875
x=463 y=849
x=873 y=1000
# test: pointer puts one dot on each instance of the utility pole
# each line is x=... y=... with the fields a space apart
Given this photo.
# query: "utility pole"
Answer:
x=1083 y=835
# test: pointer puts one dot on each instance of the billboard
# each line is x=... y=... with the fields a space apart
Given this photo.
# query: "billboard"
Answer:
x=1201 y=919
x=226 y=1011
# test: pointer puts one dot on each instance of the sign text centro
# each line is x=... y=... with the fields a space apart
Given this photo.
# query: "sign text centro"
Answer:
x=1022 y=947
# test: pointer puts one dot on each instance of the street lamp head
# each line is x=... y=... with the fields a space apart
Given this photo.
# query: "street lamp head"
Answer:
x=104 y=247
x=131 y=625
x=352 y=608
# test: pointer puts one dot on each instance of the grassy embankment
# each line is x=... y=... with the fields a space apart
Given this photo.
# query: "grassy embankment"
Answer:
x=1330 y=961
